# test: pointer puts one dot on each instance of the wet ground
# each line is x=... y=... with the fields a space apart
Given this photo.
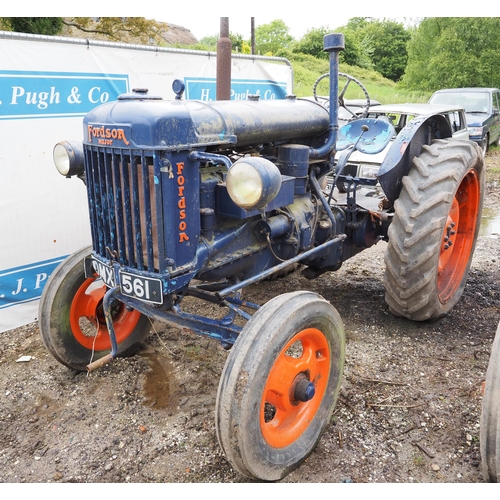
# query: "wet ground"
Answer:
x=408 y=411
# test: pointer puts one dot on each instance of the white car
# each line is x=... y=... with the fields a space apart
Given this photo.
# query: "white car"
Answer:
x=399 y=115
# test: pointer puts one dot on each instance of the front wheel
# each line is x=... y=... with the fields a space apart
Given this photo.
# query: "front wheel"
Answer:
x=71 y=318
x=280 y=384
x=434 y=231
x=489 y=436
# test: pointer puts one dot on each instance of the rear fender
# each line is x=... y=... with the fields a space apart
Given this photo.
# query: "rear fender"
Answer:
x=408 y=144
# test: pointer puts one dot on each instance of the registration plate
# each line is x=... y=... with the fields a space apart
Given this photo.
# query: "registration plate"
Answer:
x=140 y=287
x=131 y=285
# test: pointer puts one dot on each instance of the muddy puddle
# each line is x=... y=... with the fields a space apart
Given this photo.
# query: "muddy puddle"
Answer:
x=158 y=389
x=490 y=223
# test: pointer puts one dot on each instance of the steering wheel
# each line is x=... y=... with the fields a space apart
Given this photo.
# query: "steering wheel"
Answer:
x=325 y=100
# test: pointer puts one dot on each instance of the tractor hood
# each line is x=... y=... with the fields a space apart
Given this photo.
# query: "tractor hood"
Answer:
x=184 y=125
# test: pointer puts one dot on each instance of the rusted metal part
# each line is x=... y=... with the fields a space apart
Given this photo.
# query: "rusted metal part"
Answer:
x=99 y=362
x=223 y=85
x=252 y=34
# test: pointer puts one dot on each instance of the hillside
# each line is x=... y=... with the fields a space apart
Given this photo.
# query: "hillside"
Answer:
x=170 y=34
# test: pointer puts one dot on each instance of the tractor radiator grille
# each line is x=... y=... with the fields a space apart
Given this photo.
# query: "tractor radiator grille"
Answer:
x=125 y=204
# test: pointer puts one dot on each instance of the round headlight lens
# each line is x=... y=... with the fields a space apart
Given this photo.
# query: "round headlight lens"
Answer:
x=244 y=185
x=253 y=182
x=61 y=159
x=68 y=158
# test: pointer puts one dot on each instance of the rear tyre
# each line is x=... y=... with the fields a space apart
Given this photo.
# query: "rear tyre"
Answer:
x=280 y=384
x=71 y=319
x=434 y=231
x=490 y=417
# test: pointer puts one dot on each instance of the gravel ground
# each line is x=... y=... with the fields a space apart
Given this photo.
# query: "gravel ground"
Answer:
x=408 y=411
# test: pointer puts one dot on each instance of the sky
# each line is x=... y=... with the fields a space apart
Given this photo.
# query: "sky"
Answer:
x=202 y=17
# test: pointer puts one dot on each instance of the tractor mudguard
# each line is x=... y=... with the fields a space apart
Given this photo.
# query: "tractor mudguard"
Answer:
x=408 y=144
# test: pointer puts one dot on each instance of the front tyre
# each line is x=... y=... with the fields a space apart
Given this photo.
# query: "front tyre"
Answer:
x=280 y=384
x=434 y=231
x=489 y=436
x=71 y=318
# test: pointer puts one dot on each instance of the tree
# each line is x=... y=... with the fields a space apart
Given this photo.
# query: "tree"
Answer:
x=454 y=52
x=313 y=42
x=386 y=42
x=269 y=38
x=119 y=28
x=237 y=42
x=377 y=44
x=35 y=25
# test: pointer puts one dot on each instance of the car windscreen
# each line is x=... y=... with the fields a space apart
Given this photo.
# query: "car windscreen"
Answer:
x=472 y=102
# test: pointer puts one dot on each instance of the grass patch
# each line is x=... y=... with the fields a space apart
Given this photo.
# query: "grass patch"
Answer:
x=307 y=69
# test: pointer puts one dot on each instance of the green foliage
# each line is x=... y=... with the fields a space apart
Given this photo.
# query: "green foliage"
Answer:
x=210 y=43
x=236 y=42
x=35 y=25
x=312 y=42
x=372 y=43
x=269 y=38
x=354 y=53
x=454 y=52
x=387 y=42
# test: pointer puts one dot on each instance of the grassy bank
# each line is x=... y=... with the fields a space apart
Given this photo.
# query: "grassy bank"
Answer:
x=307 y=69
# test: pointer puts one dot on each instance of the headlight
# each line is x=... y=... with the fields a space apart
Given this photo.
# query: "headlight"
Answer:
x=473 y=131
x=68 y=158
x=253 y=182
x=368 y=171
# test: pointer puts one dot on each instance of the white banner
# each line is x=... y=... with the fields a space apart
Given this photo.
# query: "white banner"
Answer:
x=47 y=84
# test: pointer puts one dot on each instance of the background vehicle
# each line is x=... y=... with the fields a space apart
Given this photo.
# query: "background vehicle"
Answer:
x=400 y=115
x=481 y=106
x=201 y=199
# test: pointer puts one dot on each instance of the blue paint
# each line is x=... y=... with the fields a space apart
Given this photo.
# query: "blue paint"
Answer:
x=25 y=283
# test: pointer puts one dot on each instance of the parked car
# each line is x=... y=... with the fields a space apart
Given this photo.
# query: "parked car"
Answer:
x=481 y=106
x=367 y=165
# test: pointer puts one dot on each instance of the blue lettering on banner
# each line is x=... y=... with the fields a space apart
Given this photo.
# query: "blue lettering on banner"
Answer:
x=204 y=89
x=33 y=94
x=25 y=283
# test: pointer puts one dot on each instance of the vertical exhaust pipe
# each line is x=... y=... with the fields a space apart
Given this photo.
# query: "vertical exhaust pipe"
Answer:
x=223 y=86
x=333 y=44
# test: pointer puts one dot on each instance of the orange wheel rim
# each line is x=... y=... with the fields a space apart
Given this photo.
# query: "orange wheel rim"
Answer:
x=458 y=236
x=87 y=321
x=283 y=419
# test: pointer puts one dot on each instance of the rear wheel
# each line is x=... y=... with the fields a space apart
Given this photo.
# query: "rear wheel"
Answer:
x=490 y=417
x=280 y=384
x=434 y=231
x=71 y=318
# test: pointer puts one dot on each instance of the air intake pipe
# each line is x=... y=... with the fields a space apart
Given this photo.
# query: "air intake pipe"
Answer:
x=333 y=44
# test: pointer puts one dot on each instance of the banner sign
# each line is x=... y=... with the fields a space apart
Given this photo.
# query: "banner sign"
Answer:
x=25 y=94
x=47 y=85
x=24 y=284
x=205 y=89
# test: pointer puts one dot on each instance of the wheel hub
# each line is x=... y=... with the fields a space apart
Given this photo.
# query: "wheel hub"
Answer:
x=303 y=389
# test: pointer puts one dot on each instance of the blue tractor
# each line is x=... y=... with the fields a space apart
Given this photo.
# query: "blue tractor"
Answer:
x=201 y=199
